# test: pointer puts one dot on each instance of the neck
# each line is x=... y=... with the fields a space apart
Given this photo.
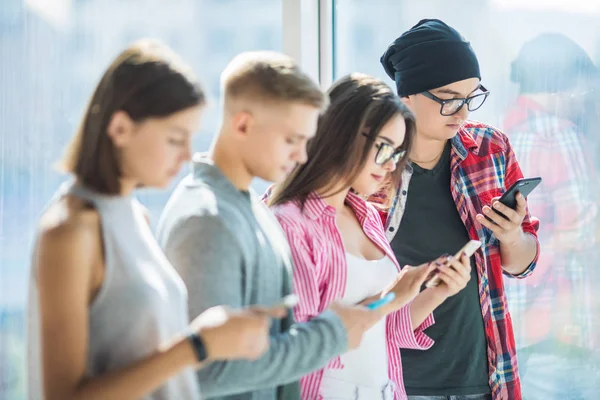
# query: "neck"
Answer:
x=426 y=151
x=336 y=201
x=225 y=157
x=127 y=186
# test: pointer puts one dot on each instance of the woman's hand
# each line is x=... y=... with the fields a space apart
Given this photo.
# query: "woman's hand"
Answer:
x=454 y=274
x=408 y=283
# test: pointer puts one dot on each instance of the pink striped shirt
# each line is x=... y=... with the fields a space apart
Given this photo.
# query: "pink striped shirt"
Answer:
x=320 y=270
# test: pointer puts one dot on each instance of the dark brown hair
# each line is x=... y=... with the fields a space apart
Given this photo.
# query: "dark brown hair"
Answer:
x=147 y=80
x=358 y=104
x=272 y=77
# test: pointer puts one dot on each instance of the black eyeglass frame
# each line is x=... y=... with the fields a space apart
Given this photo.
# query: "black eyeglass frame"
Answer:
x=467 y=101
x=396 y=154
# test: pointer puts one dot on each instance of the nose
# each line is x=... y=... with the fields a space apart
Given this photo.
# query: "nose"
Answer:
x=390 y=166
x=301 y=156
x=186 y=153
x=463 y=113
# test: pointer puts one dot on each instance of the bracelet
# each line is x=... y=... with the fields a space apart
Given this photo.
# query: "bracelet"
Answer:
x=199 y=346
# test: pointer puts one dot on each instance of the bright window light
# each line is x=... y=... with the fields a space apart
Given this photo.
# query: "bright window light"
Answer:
x=573 y=6
x=55 y=12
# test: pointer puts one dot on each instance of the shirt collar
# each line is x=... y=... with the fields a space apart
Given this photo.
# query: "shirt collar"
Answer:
x=315 y=207
x=463 y=142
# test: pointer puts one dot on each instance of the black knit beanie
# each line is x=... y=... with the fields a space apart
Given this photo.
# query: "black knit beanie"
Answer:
x=429 y=55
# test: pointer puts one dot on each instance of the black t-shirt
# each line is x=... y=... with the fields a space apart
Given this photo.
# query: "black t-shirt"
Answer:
x=431 y=226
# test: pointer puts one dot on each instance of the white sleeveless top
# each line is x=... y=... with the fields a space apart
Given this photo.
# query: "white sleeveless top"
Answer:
x=141 y=305
x=366 y=366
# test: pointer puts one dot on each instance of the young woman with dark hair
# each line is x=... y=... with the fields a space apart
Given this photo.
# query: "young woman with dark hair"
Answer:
x=339 y=246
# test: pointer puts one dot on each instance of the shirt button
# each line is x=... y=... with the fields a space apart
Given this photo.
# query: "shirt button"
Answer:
x=404 y=192
x=391 y=229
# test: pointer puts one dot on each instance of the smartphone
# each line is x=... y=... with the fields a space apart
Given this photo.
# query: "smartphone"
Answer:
x=290 y=301
x=388 y=298
x=469 y=249
x=524 y=186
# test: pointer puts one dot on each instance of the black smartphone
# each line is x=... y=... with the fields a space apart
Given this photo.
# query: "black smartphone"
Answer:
x=524 y=186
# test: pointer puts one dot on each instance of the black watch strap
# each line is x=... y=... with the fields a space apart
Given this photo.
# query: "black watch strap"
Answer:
x=199 y=346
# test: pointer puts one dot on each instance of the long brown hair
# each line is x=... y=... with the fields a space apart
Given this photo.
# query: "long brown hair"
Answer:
x=360 y=106
x=146 y=80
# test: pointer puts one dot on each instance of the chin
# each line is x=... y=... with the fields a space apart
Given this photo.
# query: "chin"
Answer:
x=450 y=132
x=366 y=190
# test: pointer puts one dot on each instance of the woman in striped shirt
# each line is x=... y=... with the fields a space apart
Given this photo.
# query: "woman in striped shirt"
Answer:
x=338 y=242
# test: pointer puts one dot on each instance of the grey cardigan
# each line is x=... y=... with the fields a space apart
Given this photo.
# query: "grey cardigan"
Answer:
x=229 y=249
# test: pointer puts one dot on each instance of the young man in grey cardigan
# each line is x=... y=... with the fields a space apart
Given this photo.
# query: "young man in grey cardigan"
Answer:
x=228 y=247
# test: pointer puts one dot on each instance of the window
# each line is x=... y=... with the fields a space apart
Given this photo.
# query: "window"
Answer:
x=51 y=56
x=555 y=312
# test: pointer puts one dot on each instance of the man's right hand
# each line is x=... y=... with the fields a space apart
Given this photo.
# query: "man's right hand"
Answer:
x=235 y=334
x=357 y=320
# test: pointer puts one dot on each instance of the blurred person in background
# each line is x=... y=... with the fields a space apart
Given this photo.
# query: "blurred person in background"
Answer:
x=107 y=314
x=556 y=311
x=457 y=172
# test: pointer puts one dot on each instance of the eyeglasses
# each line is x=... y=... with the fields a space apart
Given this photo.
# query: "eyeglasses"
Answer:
x=452 y=106
x=386 y=152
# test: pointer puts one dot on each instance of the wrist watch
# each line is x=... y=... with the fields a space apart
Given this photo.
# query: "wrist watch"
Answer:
x=199 y=346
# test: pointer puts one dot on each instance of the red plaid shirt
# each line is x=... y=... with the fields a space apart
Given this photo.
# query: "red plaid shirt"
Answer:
x=560 y=302
x=483 y=166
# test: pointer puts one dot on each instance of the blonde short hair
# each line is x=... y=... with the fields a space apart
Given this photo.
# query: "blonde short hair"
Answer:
x=269 y=77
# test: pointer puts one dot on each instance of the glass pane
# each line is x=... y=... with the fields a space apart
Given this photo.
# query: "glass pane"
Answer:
x=52 y=53
x=554 y=132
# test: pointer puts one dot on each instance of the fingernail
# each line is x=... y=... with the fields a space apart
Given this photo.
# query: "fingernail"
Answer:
x=497 y=204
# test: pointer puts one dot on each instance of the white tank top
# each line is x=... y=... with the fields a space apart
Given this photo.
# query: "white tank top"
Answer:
x=141 y=305
x=366 y=366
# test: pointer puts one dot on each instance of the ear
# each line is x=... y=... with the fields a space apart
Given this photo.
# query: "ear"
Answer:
x=242 y=123
x=120 y=128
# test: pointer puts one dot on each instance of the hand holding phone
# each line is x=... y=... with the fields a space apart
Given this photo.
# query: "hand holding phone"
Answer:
x=280 y=309
x=524 y=186
x=468 y=249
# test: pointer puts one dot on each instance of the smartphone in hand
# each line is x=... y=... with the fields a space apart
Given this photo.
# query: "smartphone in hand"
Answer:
x=468 y=249
x=524 y=186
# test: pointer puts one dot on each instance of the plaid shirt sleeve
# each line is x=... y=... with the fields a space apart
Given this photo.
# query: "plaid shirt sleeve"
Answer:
x=530 y=224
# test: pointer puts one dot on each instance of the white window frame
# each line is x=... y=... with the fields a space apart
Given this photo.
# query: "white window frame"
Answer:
x=307 y=33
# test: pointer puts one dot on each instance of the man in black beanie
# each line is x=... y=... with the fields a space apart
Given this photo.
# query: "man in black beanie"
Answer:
x=457 y=172
x=557 y=313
